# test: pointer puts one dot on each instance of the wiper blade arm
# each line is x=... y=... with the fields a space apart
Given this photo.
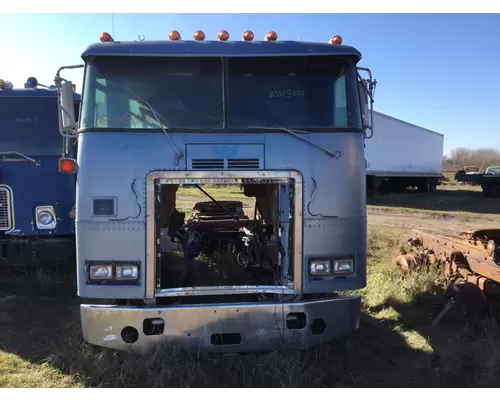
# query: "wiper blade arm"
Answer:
x=158 y=118
x=16 y=153
x=295 y=132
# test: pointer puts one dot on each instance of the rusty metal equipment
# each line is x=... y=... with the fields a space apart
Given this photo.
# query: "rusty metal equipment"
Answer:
x=470 y=262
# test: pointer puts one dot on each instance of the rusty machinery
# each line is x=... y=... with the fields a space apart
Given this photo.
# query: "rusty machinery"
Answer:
x=470 y=262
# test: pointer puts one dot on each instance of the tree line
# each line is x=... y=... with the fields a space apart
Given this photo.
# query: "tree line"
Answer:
x=461 y=157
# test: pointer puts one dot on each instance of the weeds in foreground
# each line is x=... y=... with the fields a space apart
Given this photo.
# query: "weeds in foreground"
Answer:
x=41 y=345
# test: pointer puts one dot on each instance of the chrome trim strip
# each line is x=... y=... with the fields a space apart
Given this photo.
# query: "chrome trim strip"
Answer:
x=220 y=177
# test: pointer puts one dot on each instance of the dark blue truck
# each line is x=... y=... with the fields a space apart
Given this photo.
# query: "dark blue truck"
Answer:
x=36 y=200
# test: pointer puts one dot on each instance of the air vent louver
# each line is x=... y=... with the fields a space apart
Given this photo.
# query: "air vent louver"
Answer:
x=230 y=163
x=209 y=163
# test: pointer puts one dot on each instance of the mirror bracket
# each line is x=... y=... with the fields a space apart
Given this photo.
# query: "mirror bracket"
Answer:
x=366 y=89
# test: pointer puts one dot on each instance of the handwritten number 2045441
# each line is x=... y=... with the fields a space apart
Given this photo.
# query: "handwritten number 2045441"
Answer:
x=286 y=93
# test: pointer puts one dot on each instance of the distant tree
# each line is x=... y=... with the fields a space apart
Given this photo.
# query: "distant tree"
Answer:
x=482 y=158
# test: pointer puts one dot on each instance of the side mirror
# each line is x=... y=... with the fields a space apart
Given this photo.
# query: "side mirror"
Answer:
x=366 y=107
x=67 y=107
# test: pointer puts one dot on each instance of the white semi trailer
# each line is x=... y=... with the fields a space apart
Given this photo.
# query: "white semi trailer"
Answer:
x=402 y=156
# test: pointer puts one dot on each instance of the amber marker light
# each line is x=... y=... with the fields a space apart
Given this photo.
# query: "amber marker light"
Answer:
x=336 y=40
x=248 y=36
x=199 y=35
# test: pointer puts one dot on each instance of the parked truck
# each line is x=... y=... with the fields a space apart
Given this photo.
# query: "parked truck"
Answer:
x=284 y=123
x=36 y=201
x=489 y=180
x=402 y=156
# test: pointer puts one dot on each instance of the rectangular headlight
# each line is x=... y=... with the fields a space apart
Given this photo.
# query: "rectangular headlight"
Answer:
x=345 y=266
x=320 y=267
x=127 y=272
x=100 y=272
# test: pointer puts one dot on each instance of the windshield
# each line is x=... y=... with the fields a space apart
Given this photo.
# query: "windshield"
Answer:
x=292 y=92
x=221 y=93
x=494 y=170
x=186 y=92
x=30 y=125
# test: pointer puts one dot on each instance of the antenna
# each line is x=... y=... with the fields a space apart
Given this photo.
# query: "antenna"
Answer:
x=113 y=24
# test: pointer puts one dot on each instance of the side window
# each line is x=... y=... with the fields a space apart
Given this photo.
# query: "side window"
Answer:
x=101 y=112
x=340 y=107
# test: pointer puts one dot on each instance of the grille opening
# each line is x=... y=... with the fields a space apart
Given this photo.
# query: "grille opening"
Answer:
x=205 y=246
x=5 y=209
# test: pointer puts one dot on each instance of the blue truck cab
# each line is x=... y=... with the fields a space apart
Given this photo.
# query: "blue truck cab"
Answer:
x=36 y=200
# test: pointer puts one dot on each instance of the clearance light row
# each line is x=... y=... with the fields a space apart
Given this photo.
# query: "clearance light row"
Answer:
x=223 y=36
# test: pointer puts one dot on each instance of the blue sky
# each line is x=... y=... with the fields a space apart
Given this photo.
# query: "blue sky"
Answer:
x=439 y=71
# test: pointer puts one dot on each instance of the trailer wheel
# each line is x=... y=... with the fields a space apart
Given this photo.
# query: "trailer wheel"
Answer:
x=491 y=190
x=433 y=185
x=425 y=186
x=494 y=190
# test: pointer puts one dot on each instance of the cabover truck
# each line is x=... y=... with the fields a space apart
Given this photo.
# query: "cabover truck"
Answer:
x=36 y=201
x=279 y=122
x=402 y=156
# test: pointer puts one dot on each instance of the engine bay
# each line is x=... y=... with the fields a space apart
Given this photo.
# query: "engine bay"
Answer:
x=224 y=235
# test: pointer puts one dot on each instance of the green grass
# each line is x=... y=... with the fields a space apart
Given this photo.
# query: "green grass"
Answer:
x=42 y=344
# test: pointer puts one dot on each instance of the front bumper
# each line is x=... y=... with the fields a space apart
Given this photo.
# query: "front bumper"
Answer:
x=247 y=327
x=38 y=251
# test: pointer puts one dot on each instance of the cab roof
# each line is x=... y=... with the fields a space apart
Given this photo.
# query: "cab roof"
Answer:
x=21 y=92
x=206 y=48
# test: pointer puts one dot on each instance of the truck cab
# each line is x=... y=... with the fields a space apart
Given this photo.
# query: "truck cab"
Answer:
x=221 y=200
x=36 y=201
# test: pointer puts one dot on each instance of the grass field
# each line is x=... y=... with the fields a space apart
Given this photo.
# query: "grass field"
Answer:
x=41 y=345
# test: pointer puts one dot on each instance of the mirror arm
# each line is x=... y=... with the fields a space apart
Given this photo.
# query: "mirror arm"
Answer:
x=368 y=91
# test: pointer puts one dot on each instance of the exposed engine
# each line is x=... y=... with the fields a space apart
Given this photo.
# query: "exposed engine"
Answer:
x=218 y=228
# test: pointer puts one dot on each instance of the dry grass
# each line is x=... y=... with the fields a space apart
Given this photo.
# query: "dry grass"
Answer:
x=41 y=345
x=451 y=201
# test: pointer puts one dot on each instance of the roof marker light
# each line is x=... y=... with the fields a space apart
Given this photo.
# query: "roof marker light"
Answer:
x=199 y=35
x=106 y=37
x=223 y=35
x=271 y=36
x=174 y=35
x=248 y=36
x=336 y=40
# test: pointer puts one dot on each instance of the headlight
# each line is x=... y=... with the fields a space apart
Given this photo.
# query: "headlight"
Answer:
x=45 y=217
x=320 y=267
x=127 y=272
x=343 y=266
x=100 y=272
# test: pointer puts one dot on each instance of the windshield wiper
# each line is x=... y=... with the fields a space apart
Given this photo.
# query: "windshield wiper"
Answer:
x=158 y=118
x=295 y=132
x=16 y=153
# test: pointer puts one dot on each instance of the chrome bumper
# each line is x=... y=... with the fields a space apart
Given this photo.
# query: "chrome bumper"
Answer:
x=218 y=328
